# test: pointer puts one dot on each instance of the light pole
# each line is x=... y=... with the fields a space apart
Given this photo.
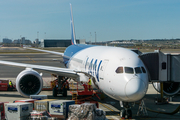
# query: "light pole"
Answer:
x=45 y=35
x=20 y=41
x=37 y=34
x=95 y=38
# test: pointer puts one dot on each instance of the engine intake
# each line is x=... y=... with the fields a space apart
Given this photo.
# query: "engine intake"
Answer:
x=169 y=88
x=29 y=82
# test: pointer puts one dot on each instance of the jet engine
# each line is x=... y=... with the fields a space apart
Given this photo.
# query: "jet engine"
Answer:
x=169 y=88
x=29 y=82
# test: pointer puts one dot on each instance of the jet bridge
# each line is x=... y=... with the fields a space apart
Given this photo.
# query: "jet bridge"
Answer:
x=163 y=68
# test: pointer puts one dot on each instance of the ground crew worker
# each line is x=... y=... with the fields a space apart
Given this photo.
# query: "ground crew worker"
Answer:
x=89 y=84
x=66 y=85
x=52 y=84
x=10 y=85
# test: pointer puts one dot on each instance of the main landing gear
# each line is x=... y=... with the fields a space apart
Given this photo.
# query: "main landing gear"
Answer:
x=126 y=112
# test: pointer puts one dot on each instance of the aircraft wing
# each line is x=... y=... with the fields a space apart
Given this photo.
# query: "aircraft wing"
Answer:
x=47 y=51
x=54 y=70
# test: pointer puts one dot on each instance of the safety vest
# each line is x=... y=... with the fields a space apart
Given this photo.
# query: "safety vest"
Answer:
x=89 y=82
x=10 y=83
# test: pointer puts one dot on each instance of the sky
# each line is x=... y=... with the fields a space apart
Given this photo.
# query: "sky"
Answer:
x=110 y=19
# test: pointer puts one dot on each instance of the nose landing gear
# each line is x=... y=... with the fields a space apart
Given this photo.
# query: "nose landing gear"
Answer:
x=126 y=112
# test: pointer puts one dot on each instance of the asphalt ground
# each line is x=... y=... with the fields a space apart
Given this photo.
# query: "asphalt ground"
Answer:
x=112 y=107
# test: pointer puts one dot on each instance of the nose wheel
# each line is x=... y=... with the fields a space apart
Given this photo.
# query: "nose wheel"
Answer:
x=126 y=112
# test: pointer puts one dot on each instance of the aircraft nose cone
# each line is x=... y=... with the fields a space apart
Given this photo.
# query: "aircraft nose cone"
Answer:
x=135 y=89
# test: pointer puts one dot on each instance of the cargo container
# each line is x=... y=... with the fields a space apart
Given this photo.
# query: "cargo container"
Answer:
x=41 y=105
x=38 y=97
x=2 y=114
x=27 y=100
x=60 y=107
x=18 y=111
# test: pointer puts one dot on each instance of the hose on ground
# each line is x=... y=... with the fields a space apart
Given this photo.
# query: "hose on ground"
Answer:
x=172 y=113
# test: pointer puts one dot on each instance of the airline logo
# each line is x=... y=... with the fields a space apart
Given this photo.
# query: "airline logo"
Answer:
x=93 y=69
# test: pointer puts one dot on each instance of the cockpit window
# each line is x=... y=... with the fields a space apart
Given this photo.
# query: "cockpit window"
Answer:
x=138 y=70
x=119 y=70
x=129 y=70
x=144 y=71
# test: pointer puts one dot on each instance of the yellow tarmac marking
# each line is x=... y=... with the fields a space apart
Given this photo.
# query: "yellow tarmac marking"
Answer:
x=31 y=59
x=106 y=107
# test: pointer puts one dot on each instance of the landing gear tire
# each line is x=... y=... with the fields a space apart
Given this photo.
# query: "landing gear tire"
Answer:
x=126 y=114
x=54 y=92
x=129 y=114
x=122 y=114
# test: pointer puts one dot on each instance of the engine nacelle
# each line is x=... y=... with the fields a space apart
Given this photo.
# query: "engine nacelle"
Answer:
x=29 y=82
x=169 y=88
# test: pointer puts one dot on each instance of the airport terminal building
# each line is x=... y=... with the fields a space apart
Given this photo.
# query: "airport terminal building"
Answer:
x=59 y=42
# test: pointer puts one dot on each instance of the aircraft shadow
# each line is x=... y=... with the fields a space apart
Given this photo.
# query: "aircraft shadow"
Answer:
x=11 y=95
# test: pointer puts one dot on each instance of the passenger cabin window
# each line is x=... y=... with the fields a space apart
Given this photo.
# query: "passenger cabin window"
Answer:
x=129 y=70
x=143 y=69
x=119 y=70
x=138 y=70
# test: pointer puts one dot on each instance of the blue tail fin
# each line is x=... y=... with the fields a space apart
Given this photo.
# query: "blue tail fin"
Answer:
x=73 y=37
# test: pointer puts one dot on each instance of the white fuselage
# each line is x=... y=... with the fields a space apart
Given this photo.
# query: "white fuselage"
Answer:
x=129 y=84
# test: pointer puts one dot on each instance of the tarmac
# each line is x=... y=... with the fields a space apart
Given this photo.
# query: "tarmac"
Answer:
x=111 y=106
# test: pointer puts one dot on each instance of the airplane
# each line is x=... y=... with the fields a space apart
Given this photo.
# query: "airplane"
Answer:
x=116 y=71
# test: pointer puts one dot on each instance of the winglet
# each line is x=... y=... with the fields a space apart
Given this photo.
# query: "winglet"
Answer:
x=73 y=37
